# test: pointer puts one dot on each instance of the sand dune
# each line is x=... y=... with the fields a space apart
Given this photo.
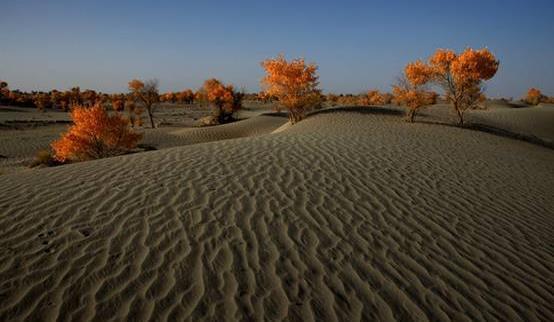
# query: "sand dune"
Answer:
x=19 y=146
x=532 y=121
x=254 y=126
x=527 y=122
x=344 y=216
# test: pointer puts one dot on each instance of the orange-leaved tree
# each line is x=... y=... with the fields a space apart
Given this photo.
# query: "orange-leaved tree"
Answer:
x=294 y=84
x=460 y=75
x=118 y=102
x=147 y=94
x=265 y=97
x=224 y=98
x=374 y=97
x=168 y=97
x=42 y=101
x=412 y=96
x=4 y=91
x=185 y=97
x=94 y=134
x=534 y=96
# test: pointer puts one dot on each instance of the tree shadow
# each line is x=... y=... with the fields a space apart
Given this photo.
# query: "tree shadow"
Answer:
x=359 y=109
x=496 y=131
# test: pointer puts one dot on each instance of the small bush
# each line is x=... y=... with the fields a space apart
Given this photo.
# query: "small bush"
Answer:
x=224 y=98
x=374 y=97
x=534 y=97
x=95 y=135
x=413 y=99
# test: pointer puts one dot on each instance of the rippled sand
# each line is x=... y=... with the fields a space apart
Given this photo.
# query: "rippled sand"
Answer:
x=345 y=216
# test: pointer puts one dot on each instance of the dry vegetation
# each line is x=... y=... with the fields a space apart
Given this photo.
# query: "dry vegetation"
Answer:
x=224 y=98
x=459 y=75
x=535 y=97
x=349 y=215
x=147 y=94
x=95 y=134
x=294 y=83
x=289 y=84
x=412 y=96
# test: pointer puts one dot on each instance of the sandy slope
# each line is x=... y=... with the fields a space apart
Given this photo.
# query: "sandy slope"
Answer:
x=533 y=121
x=19 y=146
x=344 y=216
x=254 y=126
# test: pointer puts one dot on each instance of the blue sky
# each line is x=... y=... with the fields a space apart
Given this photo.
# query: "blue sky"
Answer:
x=358 y=45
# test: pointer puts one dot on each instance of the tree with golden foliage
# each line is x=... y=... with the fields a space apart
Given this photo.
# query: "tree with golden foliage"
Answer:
x=224 y=98
x=185 y=97
x=118 y=102
x=75 y=96
x=332 y=99
x=459 y=75
x=4 y=92
x=374 y=97
x=534 y=96
x=42 y=101
x=89 y=97
x=412 y=96
x=146 y=93
x=94 y=134
x=294 y=83
x=168 y=97
x=134 y=112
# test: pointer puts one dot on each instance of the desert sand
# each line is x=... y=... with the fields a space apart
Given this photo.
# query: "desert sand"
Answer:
x=351 y=214
x=24 y=131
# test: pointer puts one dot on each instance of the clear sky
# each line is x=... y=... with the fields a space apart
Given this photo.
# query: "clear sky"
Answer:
x=357 y=44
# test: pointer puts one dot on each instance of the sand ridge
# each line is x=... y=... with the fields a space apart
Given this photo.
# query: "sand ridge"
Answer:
x=19 y=146
x=344 y=216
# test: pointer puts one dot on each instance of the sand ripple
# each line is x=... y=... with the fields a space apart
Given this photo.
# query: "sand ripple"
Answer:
x=342 y=217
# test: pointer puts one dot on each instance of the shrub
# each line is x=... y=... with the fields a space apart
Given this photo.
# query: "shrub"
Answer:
x=349 y=100
x=293 y=83
x=534 y=97
x=412 y=96
x=332 y=99
x=42 y=101
x=387 y=98
x=372 y=97
x=134 y=112
x=118 y=102
x=224 y=98
x=94 y=135
x=264 y=97
x=89 y=97
x=185 y=97
x=147 y=94
x=459 y=75
x=549 y=100
x=4 y=92
x=168 y=97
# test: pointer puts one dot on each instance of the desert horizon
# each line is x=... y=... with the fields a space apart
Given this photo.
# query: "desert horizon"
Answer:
x=263 y=184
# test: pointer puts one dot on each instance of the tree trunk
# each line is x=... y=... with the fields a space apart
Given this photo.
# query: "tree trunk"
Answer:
x=460 y=117
x=460 y=114
x=292 y=116
x=411 y=115
x=150 y=116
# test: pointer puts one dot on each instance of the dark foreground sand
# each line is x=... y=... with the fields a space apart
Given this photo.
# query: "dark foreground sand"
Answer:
x=345 y=216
